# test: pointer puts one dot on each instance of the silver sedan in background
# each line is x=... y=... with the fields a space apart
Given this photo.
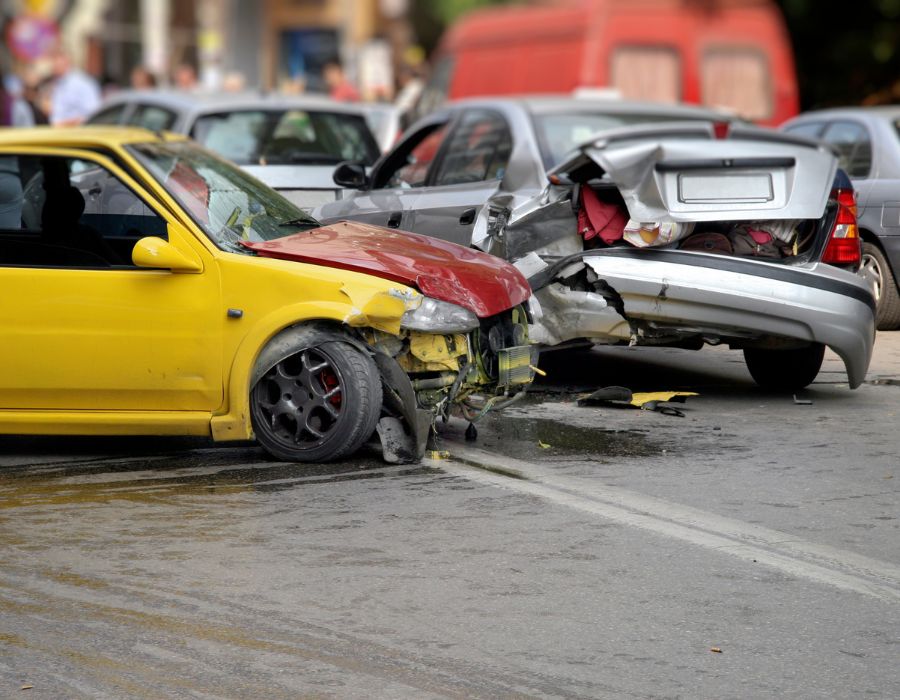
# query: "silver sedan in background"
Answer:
x=447 y=165
x=290 y=143
x=867 y=140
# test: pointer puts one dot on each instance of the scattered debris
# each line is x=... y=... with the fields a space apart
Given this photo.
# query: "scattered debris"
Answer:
x=615 y=395
x=802 y=402
x=663 y=408
x=641 y=400
x=650 y=401
x=437 y=454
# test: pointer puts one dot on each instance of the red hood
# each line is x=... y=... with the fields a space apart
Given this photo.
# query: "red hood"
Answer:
x=445 y=271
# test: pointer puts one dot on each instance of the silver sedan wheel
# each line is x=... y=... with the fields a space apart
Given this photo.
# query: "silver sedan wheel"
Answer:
x=875 y=268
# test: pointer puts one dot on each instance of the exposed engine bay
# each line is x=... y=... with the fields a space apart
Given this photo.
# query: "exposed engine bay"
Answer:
x=427 y=376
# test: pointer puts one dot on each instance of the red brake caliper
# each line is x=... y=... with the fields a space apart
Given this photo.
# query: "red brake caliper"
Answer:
x=330 y=381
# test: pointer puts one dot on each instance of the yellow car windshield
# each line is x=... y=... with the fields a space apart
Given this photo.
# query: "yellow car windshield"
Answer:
x=227 y=203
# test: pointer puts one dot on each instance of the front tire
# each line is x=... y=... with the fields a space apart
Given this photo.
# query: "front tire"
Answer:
x=785 y=370
x=318 y=405
x=876 y=268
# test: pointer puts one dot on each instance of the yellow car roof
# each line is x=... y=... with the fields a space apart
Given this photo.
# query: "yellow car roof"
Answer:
x=82 y=136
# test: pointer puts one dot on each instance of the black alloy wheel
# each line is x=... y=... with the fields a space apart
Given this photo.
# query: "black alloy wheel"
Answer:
x=319 y=404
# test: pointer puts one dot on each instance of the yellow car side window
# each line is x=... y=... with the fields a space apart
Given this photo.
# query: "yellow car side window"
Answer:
x=64 y=212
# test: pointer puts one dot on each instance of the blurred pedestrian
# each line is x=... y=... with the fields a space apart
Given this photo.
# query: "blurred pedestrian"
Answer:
x=234 y=81
x=185 y=77
x=339 y=85
x=412 y=82
x=36 y=91
x=14 y=111
x=142 y=78
x=75 y=93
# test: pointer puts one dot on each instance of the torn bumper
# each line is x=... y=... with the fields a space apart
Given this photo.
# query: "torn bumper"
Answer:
x=426 y=376
x=731 y=300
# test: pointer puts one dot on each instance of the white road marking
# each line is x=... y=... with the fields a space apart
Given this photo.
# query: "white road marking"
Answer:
x=797 y=557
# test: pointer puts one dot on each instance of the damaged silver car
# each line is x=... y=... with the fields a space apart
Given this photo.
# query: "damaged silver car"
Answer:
x=686 y=234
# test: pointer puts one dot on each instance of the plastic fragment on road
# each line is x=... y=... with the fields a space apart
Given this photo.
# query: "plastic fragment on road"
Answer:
x=613 y=395
x=642 y=399
x=622 y=397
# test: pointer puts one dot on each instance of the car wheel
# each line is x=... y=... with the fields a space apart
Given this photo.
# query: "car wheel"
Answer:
x=785 y=370
x=877 y=270
x=319 y=404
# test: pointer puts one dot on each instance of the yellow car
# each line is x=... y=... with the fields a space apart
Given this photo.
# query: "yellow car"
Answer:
x=148 y=287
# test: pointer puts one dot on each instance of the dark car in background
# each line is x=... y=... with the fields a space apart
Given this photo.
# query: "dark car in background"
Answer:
x=290 y=143
x=867 y=140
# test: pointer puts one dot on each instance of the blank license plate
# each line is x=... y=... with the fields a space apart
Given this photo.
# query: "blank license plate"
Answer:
x=718 y=187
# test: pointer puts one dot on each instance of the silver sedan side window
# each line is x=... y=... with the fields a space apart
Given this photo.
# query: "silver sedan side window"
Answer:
x=478 y=150
x=412 y=170
x=854 y=147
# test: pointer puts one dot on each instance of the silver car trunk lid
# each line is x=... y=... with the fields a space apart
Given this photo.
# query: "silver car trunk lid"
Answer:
x=684 y=172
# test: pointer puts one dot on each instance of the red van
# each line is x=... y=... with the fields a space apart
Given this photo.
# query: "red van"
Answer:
x=733 y=54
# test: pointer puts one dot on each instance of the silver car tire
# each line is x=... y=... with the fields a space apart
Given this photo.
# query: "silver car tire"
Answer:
x=877 y=270
x=318 y=405
x=785 y=370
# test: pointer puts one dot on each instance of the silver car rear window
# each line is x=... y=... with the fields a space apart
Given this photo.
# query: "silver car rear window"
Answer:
x=559 y=134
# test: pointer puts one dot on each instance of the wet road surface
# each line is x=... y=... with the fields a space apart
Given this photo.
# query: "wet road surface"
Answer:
x=569 y=552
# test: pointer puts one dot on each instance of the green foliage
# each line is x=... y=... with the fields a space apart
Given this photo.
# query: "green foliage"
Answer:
x=845 y=53
x=431 y=17
x=449 y=10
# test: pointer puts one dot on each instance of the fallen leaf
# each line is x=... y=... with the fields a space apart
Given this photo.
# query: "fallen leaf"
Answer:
x=716 y=650
x=543 y=445
x=27 y=687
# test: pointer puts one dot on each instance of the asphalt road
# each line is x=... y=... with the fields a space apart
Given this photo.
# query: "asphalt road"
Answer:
x=747 y=549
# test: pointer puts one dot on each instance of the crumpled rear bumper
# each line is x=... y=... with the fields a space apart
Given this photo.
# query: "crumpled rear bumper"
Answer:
x=733 y=299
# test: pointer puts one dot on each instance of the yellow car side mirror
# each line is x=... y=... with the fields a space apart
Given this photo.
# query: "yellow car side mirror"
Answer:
x=153 y=251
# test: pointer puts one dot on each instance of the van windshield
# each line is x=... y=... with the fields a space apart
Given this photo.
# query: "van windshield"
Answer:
x=559 y=134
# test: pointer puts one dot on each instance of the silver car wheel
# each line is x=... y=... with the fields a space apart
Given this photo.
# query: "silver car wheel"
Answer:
x=871 y=271
x=876 y=270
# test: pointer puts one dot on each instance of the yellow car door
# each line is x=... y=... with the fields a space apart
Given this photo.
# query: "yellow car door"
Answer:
x=82 y=326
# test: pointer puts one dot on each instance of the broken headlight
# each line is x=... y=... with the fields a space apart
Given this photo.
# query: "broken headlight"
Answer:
x=435 y=316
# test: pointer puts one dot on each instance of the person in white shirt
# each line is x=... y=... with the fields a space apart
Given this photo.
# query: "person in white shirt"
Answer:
x=75 y=93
